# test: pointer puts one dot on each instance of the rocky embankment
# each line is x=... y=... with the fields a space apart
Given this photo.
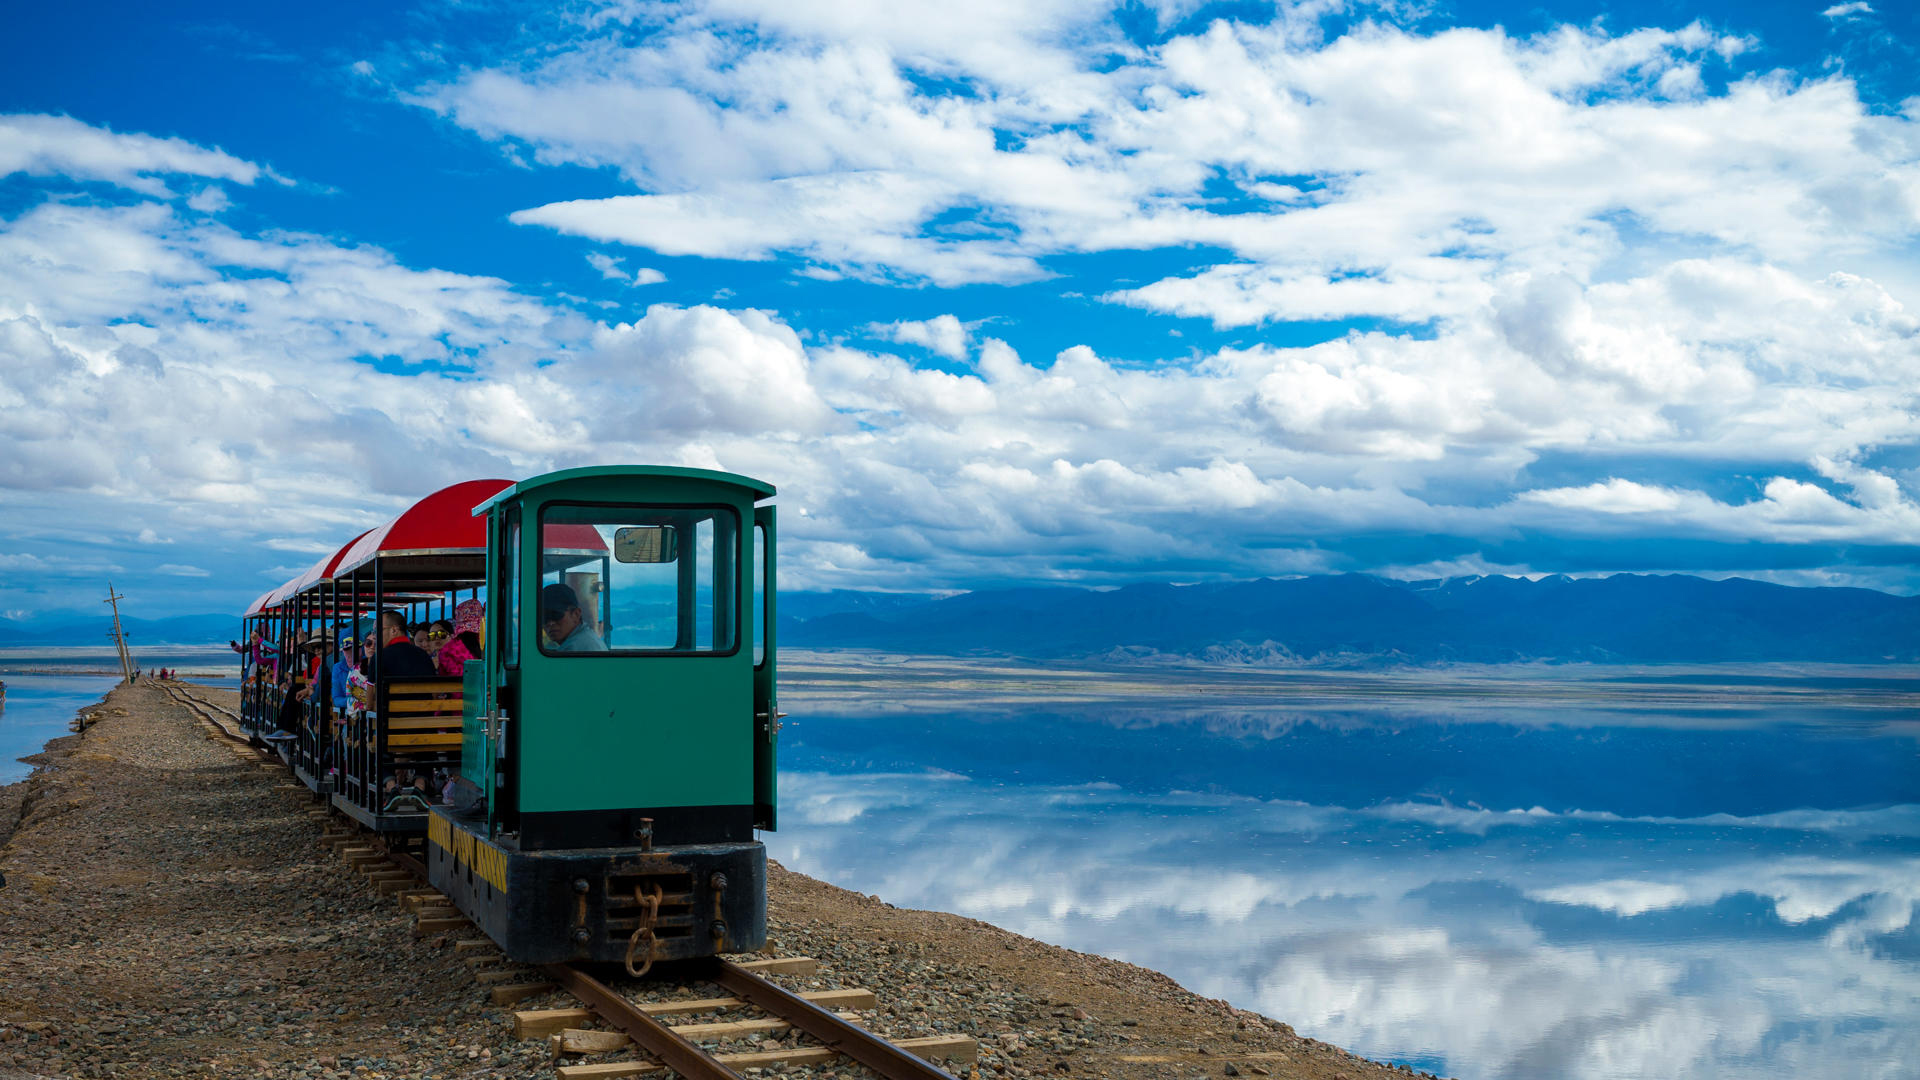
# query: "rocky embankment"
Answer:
x=169 y=912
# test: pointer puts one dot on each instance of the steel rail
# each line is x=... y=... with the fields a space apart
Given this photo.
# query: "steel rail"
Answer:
x=676 y=1053
x=182 y=694
x=834 y=1033
x=205 y=709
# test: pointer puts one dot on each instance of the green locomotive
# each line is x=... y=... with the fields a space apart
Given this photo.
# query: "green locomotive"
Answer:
x=601 y=760
x=618 y=735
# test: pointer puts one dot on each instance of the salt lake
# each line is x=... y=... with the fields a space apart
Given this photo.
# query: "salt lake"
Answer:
x=1535 y=873
x=46 y=686
x=38 y=708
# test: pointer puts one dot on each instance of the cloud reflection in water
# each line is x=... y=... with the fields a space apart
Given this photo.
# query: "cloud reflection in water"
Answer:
x=1550 y=941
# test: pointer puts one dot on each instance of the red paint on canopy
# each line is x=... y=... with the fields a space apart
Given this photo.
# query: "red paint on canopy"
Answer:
x=571 y=537
x=440 y=524
x=333 y=565
x=314 y=575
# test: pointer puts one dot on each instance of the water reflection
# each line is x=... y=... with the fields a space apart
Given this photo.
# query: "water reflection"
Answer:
x=1479 y=892
x=39 y=708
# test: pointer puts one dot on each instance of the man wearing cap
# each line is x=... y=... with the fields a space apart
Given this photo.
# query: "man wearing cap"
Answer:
x=560 y=617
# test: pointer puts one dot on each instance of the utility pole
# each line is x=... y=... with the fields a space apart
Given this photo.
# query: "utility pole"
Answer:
x=119 y=635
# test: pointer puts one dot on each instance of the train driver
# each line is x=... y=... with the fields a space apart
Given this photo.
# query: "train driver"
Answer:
x=560 y=617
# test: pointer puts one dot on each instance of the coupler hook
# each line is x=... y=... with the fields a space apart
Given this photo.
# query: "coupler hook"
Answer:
x=648 y=897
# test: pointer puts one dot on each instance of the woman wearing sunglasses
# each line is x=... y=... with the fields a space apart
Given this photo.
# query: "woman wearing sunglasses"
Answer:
x=450 y=654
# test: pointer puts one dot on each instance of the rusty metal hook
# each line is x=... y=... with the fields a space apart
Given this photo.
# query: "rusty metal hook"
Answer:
x=648 y=897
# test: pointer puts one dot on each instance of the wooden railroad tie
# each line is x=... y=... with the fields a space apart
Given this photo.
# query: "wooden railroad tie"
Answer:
x=933 y=1048
x=424 y=927
x=587 y=1041
x=782 y=965
x=785 y=965
x=507 y=995
x=541 y=1023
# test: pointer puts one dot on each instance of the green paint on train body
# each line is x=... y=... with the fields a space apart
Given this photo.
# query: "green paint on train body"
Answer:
x=652 y=692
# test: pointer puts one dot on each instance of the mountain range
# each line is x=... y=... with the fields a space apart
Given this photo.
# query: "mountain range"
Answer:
x=1352 y=618
x=1330 y=620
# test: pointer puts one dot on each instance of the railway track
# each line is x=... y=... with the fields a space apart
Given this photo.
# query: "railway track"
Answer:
x=822 y=1025
x=630 y=1024
x=678 y=1048
x=223 y=720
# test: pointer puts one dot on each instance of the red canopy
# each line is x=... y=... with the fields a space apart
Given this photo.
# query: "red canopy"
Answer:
x=440 y=524
x=317 y=573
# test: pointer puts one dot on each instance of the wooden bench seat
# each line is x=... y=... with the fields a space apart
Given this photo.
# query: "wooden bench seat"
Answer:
x=423 y=723
x=420 y=722
x=447 y=740
x=414 y=706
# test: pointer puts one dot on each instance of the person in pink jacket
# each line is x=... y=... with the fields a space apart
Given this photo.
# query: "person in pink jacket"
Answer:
x=464 y=643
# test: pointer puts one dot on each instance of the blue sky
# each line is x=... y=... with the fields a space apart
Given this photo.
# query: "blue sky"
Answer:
x=1002 y=293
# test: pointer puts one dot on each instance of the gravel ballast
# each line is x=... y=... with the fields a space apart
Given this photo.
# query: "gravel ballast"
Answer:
x=169 y=911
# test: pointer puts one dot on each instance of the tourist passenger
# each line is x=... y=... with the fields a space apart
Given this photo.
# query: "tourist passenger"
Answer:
x=342 y=668
x=293 y=695
x=266 y=655
x=452 y=656
x=340 y=689
x=400 y=658
x=469 y=616
x=562 y=622
x=439 y=632
x=469 y=623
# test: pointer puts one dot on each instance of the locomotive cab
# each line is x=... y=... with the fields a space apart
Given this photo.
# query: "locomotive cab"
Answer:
x=618 y=736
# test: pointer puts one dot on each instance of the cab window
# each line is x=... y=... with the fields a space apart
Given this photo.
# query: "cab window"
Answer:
x=624 y=580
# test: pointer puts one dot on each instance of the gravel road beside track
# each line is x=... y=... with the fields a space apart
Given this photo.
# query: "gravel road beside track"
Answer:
x=168 y=912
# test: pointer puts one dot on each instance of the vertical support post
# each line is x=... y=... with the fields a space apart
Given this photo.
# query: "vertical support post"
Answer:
x=377 y=726
x=766 y=704
x=119 y=635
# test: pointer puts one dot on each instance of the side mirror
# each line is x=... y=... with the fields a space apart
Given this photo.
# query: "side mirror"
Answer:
x=646 y=544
